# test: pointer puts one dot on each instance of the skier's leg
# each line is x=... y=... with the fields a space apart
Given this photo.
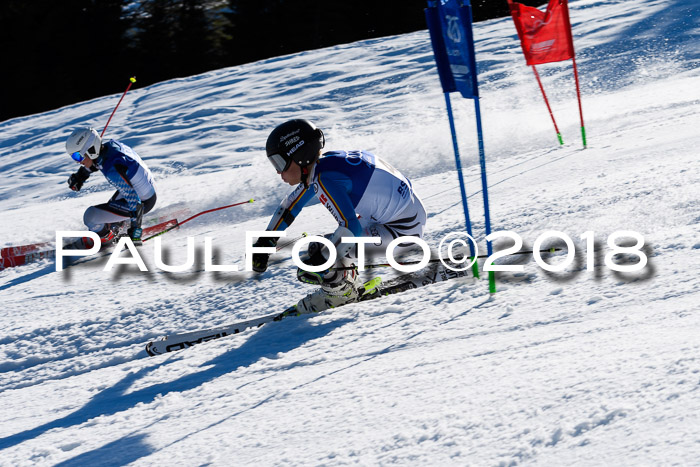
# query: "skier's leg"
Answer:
x=338 y=285
x=107 y=219
x=111 y=219
x=409 y=223
x=135 y=230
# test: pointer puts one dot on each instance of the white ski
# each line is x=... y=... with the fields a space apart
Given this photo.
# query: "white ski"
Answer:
x=372 y=290
x=188 y=339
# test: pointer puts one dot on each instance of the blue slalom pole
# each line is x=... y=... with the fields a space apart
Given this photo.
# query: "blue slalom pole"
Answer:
x=462 y=188
x=484 y=189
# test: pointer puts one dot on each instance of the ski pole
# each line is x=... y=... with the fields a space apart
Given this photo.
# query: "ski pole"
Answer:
x=197 y=215
x=409 y=263
x=286 y=245
x=291 y=242
x=132 y=80
x=217 y=209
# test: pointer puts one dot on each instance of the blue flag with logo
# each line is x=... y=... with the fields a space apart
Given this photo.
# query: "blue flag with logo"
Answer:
x=450 y=26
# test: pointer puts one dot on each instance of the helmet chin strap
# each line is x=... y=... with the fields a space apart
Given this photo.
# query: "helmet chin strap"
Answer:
x=305 y=171
x=305 y=176
x=98 y=159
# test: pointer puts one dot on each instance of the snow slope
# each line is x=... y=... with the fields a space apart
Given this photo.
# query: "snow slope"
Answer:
x=576 y=367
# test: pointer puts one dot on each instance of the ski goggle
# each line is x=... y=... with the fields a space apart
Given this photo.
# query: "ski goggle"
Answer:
x=279 y=163
x=77 y=157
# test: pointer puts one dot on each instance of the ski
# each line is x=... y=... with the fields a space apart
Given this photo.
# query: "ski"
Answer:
x=23 y=249
x=173 y=342
x=184 y=340
x=437 y=273
x=160 y=228
x=372 y=289
x=25 y=254
x=26 y=258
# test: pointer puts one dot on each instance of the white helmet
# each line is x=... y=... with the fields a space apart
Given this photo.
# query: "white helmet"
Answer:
x=85 y=141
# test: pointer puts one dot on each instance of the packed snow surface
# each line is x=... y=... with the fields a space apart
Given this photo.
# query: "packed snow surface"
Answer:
x=584 y=366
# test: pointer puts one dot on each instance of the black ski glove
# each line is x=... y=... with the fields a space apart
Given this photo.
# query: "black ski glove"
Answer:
x=75 y=181
x=260 y=259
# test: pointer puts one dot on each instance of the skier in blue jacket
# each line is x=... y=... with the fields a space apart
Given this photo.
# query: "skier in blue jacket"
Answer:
x=124 y=169
x=365 y=195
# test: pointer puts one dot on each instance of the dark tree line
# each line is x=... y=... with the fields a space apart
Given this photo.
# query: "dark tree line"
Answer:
x=57 y=53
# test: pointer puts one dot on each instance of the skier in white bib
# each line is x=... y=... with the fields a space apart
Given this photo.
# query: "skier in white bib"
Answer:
x=124 y=169
x=365 y=195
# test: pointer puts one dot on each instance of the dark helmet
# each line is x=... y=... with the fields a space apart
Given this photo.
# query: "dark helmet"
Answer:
x=296 y=140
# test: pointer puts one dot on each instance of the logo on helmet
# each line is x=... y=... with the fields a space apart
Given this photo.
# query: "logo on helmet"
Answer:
x=292 y=141
x=294 y=149
x=289 y=135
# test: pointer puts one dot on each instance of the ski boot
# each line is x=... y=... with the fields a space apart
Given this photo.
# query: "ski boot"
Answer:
x=110 y=233
x=342 y=288
x=367 y=291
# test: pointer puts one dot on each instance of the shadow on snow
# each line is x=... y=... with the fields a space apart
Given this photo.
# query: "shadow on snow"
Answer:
x=266 y=342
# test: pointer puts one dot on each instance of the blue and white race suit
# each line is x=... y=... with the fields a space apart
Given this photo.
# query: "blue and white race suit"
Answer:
x=136 y=193
x=364 y=194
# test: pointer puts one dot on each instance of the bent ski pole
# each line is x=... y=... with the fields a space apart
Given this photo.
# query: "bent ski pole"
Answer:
x=197 y=215
x=217 y=209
